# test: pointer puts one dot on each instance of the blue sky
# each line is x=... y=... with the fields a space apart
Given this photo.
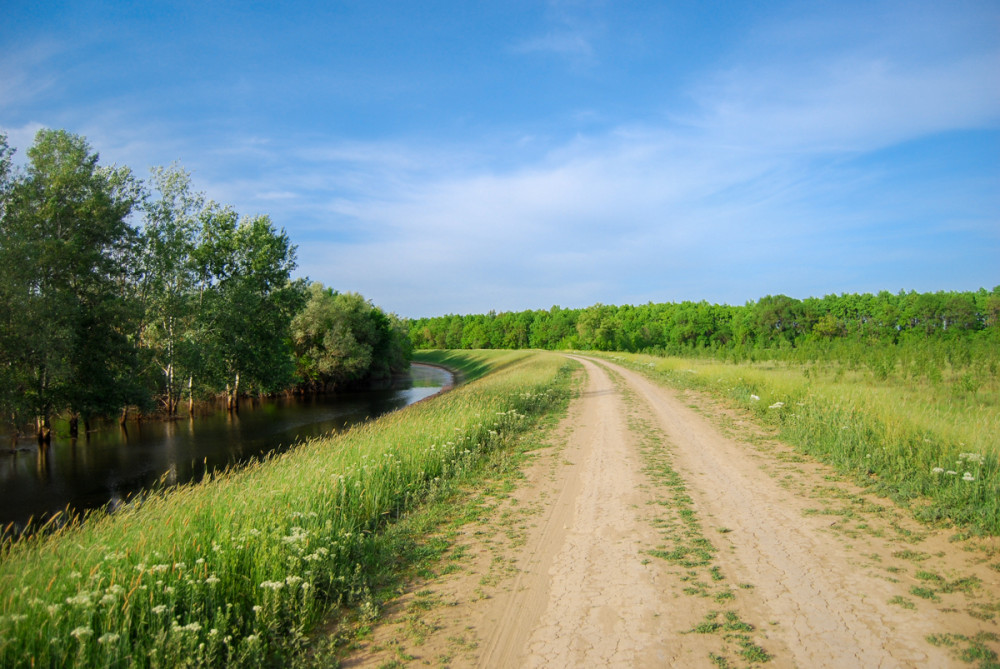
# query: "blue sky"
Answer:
x=458 y=157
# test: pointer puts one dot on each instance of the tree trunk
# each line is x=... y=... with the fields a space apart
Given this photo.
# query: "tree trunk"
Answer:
x=233 y=401
x=44 y=430
x=124 y=416
x=191 y=395
x=74 y=426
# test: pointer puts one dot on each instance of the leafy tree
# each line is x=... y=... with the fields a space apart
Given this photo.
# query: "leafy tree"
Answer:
x=170 y=237
x=71 y=253
x=341 y=339
x=245 y=302
x=13 y=298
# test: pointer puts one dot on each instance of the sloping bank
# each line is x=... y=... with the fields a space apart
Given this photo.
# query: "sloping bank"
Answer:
x=236 y=571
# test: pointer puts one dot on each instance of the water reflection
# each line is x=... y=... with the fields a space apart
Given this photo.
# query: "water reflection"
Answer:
x=110 y=465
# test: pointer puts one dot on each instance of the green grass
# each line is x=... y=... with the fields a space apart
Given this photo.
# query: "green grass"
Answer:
x=931 y=446
x=471 y=365
x=237 y=570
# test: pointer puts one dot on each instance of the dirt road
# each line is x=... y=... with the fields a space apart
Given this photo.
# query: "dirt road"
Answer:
x=650 y=535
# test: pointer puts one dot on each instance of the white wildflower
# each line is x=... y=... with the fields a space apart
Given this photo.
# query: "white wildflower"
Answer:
x=777 y=405
x=968 y=477
x=755 y=398
x=81 y=633
x=938 y=470
x=79 y=599
x=109 y=637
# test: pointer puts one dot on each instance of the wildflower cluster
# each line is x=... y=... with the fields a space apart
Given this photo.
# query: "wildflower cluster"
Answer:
x=965 y=460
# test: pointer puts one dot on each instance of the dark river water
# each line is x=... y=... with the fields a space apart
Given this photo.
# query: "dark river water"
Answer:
x=111 y=465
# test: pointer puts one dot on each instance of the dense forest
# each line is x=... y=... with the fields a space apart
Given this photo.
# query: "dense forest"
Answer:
x=115 y=293
x=921 y=331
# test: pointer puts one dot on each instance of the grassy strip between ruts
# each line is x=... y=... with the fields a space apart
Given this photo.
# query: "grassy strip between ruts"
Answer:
x=898 y=448
x=237 y=570
x=686 y=547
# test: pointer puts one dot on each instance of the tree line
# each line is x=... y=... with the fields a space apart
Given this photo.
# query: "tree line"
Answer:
x=116 y=293
x=954 y=324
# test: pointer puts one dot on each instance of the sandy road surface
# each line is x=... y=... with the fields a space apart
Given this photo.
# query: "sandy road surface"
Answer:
x=798 y=564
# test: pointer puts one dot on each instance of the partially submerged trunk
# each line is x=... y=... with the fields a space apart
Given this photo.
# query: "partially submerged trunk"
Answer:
x=43 y=429
x=233 y=395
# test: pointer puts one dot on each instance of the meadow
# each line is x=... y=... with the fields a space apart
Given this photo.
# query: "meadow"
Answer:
x=928 y=441
x=239 y=569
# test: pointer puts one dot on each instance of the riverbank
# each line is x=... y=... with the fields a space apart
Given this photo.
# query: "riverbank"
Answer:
x=236 y=570
x=115 y=465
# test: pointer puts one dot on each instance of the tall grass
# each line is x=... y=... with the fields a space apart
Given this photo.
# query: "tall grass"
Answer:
x=236 y=570
x=932 y=446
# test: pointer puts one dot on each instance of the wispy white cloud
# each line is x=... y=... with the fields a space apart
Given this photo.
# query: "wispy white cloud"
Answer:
x=848 y=105
x=567 y=44
x=22 y=76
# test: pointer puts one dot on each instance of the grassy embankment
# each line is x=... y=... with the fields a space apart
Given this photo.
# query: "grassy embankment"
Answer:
x=238 y=569
x=929 y=445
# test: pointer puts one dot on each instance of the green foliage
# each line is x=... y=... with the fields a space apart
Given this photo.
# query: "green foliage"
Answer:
x=341 y=339
x=67 y=256
x=97 y=315
x=838 y=327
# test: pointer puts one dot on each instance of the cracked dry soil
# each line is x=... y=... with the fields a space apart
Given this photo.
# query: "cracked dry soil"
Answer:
x=758 y=557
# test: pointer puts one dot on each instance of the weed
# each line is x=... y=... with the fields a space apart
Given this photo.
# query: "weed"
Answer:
x=925 y=593
x=903 y=602
x=969 y=649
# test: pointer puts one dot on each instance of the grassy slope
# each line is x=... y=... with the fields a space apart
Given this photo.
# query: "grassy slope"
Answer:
x=237 y=570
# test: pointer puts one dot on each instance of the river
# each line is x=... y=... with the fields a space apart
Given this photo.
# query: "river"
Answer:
x=113 y=464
